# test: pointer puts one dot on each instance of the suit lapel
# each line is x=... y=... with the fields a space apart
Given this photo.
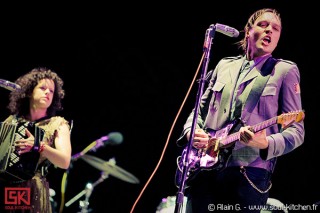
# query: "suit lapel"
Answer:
x=234 y=71
x=252 y=74
x=255 y=71
x=229 y=79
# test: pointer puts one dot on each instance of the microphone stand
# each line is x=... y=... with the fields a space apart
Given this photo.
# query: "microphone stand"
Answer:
x=65 y=178
x=93 y=147
x=206 y=48
x=90 y=147
x=83 y=152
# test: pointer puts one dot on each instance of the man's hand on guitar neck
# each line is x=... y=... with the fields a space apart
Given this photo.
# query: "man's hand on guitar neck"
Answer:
x=200 y=139
x=249 y=138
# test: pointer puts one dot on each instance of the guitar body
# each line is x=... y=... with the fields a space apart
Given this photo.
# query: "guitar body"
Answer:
x=211 y=158
x=220 y=145
x=200 y=161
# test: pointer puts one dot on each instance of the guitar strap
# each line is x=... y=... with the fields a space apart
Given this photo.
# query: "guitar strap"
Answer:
x=257 y=89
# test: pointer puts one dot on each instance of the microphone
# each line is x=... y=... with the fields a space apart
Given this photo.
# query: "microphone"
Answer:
x=9 y=85
x=113 y=138
x=229 y=31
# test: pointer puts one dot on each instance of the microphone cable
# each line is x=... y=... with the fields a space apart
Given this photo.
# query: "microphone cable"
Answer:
x=168 y=138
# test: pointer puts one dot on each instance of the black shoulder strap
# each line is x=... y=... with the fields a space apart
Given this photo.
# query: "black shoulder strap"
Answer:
x=268 y=66
x=259 y=85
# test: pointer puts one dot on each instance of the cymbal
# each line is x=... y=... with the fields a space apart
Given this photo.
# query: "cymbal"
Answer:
x=109 y=167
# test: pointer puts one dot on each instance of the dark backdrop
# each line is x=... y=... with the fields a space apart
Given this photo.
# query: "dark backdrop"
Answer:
x=127 y=68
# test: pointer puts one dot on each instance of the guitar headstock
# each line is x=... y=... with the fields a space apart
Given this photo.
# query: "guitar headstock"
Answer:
x=286 y=119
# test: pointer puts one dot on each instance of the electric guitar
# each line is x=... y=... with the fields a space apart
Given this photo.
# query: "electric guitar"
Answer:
x=216 y=155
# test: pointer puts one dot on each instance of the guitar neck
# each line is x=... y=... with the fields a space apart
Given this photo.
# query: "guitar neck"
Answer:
x=256 y=128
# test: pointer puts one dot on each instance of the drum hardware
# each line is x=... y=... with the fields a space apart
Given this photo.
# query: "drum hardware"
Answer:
x=84 y=204
x=113 y=138
x=168 y=204
x=107 y=168
x=110 y=167
x=53 y=203
x=274 y=205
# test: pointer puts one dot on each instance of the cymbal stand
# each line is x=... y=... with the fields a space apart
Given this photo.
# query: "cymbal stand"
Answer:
x=85 y=203
x=87 y=192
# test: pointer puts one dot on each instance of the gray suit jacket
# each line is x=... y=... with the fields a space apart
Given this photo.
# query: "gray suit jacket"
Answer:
x=280 y=95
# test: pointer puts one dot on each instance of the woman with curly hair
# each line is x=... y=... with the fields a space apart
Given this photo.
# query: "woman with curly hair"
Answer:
x=40 y=136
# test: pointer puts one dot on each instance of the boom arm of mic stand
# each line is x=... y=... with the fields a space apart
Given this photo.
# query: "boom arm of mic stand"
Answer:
x=83 y=152
x=206 y=48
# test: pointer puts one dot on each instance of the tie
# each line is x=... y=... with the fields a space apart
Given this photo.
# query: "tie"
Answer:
x=245 y=69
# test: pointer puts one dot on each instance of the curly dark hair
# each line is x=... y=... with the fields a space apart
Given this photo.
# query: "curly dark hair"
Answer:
x=243 y=43
x=19 y=99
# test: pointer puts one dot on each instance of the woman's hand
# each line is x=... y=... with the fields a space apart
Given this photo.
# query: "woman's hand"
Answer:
x=24 y=145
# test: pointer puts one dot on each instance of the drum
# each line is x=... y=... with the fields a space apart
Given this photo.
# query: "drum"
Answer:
x=168 y=204
x=274 y=205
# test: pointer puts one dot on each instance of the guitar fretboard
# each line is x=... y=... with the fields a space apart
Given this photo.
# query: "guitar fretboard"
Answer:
x=260 y=126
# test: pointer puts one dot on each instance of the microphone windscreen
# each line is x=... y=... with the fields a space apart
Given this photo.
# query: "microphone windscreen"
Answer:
x=115 y=138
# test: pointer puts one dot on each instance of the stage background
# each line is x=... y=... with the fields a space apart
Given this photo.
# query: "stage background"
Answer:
x=127 y=68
